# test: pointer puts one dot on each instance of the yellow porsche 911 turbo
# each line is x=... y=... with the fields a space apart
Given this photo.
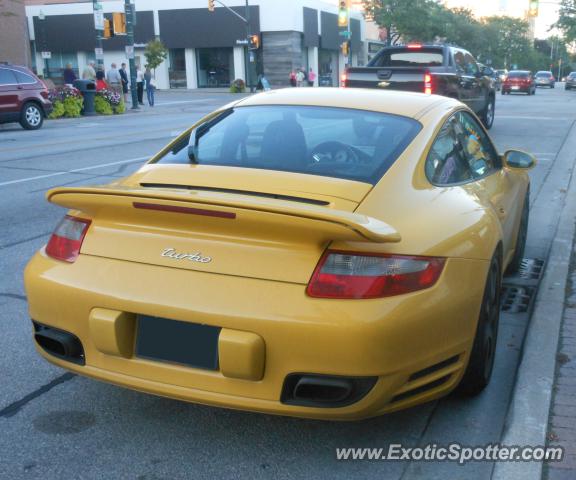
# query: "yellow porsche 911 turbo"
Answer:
x=323 y=253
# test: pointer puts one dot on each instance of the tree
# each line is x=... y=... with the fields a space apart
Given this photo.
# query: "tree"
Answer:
x=567 y=20
x=155 y=53
x=409 y=19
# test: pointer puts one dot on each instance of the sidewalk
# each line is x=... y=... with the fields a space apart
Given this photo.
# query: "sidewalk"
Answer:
x=562 y=421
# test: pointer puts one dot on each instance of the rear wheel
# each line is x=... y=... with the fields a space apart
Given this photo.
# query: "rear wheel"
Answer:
x=521 y=237
x=31 y=116
x=481 y=362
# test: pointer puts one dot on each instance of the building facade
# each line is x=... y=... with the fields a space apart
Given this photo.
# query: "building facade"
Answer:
x=14 y=40
x=205 y=49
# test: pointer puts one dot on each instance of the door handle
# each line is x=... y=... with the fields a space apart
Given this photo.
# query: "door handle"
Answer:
x=501 y=211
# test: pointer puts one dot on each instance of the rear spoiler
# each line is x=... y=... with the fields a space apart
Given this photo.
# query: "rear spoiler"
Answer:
x=93 y=199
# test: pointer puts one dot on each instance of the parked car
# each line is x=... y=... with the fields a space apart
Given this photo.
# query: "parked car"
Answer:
x=333 y=254
x=544 y=79
x=519 y=81
x=570 y=81
x=23 y=97
x=439 y=69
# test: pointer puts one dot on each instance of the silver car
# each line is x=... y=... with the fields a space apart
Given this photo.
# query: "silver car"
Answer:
x=544 y=79
x=570 y=81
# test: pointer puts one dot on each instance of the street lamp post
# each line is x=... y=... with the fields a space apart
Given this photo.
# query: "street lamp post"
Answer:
x=99 y=58
x=130 y=21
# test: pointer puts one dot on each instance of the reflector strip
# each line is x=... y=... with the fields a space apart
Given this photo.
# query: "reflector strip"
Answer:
x=188 y=210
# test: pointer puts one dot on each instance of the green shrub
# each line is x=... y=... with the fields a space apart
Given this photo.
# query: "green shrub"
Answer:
x=102 y=106
x=238 y=86
x=58 y=110
x=120 y=108
x=73 y=107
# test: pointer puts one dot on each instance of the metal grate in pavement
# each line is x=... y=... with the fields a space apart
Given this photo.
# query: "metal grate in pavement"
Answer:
x=531 y=268
x=516 y=299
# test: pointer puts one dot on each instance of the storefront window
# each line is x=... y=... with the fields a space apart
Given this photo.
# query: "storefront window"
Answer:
x=177 y=68
x=328 y=68
x=215 y=67
x=57 y=64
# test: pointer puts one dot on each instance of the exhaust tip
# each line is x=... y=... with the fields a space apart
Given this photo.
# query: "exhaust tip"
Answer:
x=325 y=391
x=59 y=343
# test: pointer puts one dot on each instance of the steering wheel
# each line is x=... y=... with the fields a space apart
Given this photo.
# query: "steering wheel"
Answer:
x=334 y=152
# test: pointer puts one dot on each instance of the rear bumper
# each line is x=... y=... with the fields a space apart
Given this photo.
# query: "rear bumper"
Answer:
x=390 y=339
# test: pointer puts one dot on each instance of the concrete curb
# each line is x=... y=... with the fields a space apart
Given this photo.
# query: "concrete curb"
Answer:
x=527 y=419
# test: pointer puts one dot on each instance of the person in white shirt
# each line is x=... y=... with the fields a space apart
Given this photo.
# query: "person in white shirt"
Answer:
x=114 y=79
x=140 y=84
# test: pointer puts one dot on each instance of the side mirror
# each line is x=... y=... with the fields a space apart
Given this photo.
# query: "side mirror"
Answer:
x=519 y=159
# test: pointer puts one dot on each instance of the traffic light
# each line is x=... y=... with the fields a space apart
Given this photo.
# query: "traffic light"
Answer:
x=119 y=23
x=345 y=48
x=254 y=42
x=210 y=5
x=343 y=10
x=108 y=32
x=533 y=8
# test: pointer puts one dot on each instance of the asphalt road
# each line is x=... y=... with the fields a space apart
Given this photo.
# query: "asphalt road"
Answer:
x=56 y=425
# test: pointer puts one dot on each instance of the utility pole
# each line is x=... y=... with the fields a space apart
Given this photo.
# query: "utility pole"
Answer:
x=97 y=8
x=248 y=51
x=130 y=21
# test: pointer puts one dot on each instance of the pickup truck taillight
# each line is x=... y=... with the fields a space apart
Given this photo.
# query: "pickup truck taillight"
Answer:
x=65 y=242
x=427 y=83
x=343 y=79
x=349 y=275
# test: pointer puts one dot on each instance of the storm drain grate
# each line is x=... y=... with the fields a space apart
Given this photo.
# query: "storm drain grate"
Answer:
x=516 y=299
x=531 y=268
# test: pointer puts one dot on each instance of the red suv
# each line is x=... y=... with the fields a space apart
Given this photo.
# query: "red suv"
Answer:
x=23 y=97
x=519 y=81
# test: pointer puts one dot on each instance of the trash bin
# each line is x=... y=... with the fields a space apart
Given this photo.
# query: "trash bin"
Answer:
x=88 y=90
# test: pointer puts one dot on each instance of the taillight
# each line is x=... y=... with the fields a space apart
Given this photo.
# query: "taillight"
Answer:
x=427 y=83
x=65 y=242
x=360 y=275
x=414 y=46
x=343 y=79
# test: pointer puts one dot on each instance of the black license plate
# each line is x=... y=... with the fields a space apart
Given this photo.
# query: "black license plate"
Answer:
x=177 y=342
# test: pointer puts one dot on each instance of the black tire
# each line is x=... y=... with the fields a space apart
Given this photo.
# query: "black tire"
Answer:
x=31 y=116
x=521 y=237
x=488 y=113
x=481 y=362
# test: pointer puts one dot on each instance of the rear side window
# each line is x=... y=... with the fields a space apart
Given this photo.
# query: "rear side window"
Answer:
x=24 y=77
x=7 y=77
x=418 y=57
x=333 y=142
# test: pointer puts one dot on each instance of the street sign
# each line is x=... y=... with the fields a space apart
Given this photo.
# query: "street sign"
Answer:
x=99 y=20
x=129 y=51
x=243 y=41
x=47 y=55
x=345 y=33
x=99 y=52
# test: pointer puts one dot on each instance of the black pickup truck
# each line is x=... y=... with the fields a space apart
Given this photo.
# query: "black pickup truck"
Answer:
x=439 y=69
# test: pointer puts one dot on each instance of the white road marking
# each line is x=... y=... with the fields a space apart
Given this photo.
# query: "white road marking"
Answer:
x=56 y=174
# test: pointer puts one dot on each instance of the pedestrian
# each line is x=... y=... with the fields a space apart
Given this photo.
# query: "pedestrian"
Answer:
x=114 y=79
x=299 y=78
x=150 y=85
x=124 y=79
x=311 y=77
x=100 y=80
x=89 y=73
x=140 y=85
x=292 y=78
x=69 y=75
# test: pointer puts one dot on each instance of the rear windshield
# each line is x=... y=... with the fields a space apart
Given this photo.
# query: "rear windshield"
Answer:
x=543 y=74
x=518 y=75
x=421 y=57
x=332 y=142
